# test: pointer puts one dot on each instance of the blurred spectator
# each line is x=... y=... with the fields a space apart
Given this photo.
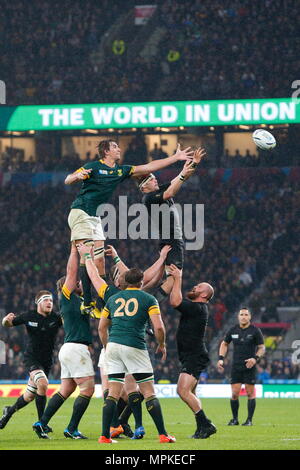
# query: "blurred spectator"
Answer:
x=50 y=49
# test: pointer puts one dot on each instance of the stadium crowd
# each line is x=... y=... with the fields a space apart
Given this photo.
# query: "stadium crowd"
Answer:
x=12 y=159
x=239 y=255
x=210 y=50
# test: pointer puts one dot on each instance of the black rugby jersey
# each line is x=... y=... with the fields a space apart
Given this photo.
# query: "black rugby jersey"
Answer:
x=168 y=227
x=192 y=325
x=42 y=331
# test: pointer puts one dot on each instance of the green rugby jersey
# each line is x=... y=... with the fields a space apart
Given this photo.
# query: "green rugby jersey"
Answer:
x=106 y=291
x=76 y=325
x=99 y=185
x=129 y=312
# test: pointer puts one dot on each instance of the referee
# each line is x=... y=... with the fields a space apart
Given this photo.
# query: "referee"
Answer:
x=164 y=215
x=191 y=347
x=248 y=348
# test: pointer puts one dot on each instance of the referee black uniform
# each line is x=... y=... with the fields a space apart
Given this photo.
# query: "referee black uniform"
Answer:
x=171 y=234
x=245 y=342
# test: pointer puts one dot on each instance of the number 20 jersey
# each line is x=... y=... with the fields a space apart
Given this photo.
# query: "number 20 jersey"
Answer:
x=129 y=311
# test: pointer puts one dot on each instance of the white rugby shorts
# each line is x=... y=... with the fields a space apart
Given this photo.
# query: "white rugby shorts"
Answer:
x=126 y=359
x=84 y=226
x=102 y=362
x=75 y=360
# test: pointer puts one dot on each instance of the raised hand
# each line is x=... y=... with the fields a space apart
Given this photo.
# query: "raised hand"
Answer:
x=186 y=154
x=174 y=271
x=199 y=154
x=164 y=251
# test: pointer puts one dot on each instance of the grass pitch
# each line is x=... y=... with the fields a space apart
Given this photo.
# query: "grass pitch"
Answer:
x=276 y=427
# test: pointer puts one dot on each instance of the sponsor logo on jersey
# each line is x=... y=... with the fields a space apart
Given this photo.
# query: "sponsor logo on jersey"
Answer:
x=234 y=336
x=103 y=172
x=32 y=323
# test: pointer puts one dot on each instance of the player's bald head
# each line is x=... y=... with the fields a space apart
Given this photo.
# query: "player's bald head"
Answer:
x=202 y=292
x=206 y=290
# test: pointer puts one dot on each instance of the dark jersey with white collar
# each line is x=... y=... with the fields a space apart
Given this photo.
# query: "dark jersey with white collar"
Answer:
x=245 y=342
x=42 y=331
x=167 y=224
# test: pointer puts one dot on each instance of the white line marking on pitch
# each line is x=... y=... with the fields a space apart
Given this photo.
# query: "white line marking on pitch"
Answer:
x=297 y=439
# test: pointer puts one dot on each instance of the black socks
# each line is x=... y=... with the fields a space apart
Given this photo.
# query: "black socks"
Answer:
x=154 y=409
x=54 y=404
x=235 y=408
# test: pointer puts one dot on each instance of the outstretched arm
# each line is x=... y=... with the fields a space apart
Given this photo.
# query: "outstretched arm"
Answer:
x=72 y=269
x=86 y=253
x=156 y=165
x=154 y=273
x=176 y=294
x=111 y=251
x=187 y=171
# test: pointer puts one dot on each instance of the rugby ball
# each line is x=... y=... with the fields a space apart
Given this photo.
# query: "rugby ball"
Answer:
x=264 y=139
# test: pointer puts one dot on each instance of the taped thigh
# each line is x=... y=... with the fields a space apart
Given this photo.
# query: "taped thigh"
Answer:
x=99 y=252
x=86 y=385
x=88 y=242
x=31 y=389
x=38 y=376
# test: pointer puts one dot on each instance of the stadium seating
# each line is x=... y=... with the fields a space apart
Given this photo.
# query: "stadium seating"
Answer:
x=207 y=50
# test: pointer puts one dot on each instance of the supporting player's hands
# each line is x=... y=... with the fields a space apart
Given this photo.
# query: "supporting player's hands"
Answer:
x=174 y=271
x=111 y=251
x=186 y=154
x=220 y=366
x=164 y=251
x=84 y=249
x=161 y=348
x=249 y=363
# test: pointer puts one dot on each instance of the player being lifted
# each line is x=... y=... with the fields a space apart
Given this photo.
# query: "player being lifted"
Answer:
x=168 y=225
x=99 y=180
